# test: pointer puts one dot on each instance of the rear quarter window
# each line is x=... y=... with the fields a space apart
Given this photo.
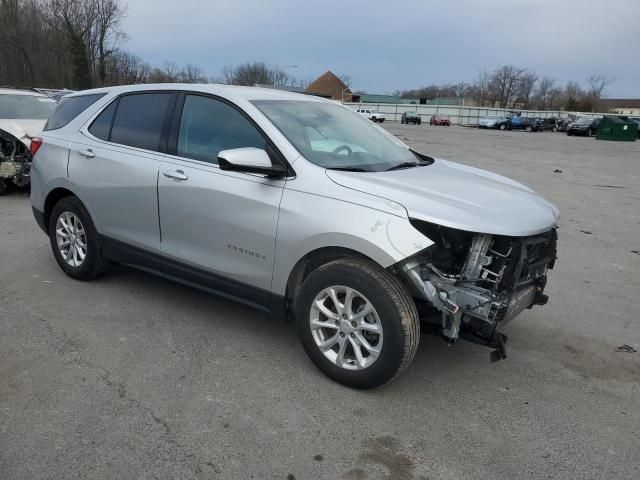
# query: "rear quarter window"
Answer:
x=69 y=108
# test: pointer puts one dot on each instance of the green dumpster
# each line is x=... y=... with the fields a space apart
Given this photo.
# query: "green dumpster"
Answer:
x=619 y=128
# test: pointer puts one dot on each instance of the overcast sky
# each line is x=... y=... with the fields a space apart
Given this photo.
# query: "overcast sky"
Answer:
x=386 y=45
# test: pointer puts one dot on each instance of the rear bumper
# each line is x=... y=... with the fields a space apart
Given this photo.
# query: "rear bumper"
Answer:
x=39 y=216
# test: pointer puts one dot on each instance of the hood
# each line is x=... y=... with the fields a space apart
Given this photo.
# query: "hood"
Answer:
x=23 y=130
x=457 y=196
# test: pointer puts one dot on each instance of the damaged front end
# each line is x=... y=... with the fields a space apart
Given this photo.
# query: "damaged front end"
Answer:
x=479 y=282
x=15 y=161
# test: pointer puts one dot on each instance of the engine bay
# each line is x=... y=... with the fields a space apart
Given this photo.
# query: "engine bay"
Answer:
x=15 y=161
x=479 y=282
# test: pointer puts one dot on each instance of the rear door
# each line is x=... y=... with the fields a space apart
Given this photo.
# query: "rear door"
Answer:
x=218 y=221
x=114 y=164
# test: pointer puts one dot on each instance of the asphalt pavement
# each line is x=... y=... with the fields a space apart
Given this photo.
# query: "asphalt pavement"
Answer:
x=132 y=376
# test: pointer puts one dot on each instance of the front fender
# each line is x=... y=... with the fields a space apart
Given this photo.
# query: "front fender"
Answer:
x=308 y=222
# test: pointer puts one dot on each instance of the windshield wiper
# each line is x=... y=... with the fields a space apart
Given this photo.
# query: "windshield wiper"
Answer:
x=402 y=165
x=349 y=169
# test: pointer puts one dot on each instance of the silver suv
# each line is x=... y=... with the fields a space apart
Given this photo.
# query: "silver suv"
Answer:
x=297 y=206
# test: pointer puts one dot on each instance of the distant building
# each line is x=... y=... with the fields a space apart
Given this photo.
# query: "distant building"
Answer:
x=328 y=85
x=621 y=106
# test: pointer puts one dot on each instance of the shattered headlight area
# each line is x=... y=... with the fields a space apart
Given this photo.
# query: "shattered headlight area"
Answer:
x=15 y=161
x=479 y=282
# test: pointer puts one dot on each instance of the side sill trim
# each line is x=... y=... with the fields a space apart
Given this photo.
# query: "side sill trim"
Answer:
x=170 y=269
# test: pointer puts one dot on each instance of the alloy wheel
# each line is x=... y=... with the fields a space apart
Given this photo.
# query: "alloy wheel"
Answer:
x=71 y=239
x=346 y=327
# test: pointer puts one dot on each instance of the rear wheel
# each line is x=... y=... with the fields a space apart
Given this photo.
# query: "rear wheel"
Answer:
x=3 y=187
x=529 y=128
x=589 y=132
x=74 y=240
x=357 y=323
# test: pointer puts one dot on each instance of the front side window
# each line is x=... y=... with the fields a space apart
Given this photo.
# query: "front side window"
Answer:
x=139 y=120
x=332 y=136
x=208 y=126
x=69 y=108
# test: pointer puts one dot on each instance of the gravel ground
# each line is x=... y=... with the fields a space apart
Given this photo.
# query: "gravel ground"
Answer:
x=132 y=376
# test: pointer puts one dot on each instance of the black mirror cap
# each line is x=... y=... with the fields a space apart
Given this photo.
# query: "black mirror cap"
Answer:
x=275 y=170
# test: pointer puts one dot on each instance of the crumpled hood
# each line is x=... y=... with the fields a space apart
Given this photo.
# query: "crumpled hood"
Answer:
x=23 y=130
x=457 y=196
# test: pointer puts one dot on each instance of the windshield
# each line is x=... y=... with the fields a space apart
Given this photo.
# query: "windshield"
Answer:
x=26 y=107
x=333 y=136
x=583 y=121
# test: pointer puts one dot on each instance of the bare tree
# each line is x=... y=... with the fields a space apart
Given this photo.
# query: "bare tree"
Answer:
x=597 y=84
x=105 y=36
x=346 y=79
x=526 y=85
x=505 y=81
x=544 y=93
x=76 y=18
x=192 y=74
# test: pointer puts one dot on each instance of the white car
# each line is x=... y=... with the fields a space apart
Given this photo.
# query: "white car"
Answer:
x=372 y=115
x=23 y=114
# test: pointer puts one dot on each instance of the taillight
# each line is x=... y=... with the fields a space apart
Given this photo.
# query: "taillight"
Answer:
x=36 y=143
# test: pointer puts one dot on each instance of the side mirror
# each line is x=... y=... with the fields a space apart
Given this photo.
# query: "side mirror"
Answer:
x=249 y=160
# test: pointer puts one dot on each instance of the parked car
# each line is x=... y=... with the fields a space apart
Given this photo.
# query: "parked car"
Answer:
x=547 y=124
x=193 y=182
x=372 y=115
x=585 y=126
x=440 y=120
x=564 y=123
x=411 y=117
x=523 y=123
x=23 y=113
x=493 y=122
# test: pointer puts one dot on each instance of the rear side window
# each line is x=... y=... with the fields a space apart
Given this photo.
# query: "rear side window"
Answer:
x=139 y=120
x=101 y=126
x=208 y=126
x=69 y=108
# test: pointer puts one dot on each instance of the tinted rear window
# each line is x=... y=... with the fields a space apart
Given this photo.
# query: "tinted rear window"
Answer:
x=69 y=108
x=139 y=120
x=101 y=126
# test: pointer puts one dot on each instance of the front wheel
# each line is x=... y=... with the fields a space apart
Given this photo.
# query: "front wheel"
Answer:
x=381 y=120
x=589 y=132
x=357 y=323
x=503 y=126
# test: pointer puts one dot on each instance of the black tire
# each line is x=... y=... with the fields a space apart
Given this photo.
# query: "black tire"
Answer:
x=589 y=132
x=529 y=128
x=554 y=129
x=3 y=187
x=381 y=120
x=374 y=119
x=568 y=133
x=396 y=310
x=502 y=126
x=95 y=263
x=419 y=122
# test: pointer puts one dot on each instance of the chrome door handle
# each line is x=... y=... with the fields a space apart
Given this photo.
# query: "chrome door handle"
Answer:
x=175 y=174
x=88 y=153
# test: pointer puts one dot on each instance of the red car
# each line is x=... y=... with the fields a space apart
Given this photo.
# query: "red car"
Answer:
x=440 y=120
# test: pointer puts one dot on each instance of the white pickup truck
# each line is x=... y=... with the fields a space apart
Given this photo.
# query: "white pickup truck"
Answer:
x=372 y=115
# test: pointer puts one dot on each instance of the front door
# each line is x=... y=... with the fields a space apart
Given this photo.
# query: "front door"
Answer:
x=220 y=223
